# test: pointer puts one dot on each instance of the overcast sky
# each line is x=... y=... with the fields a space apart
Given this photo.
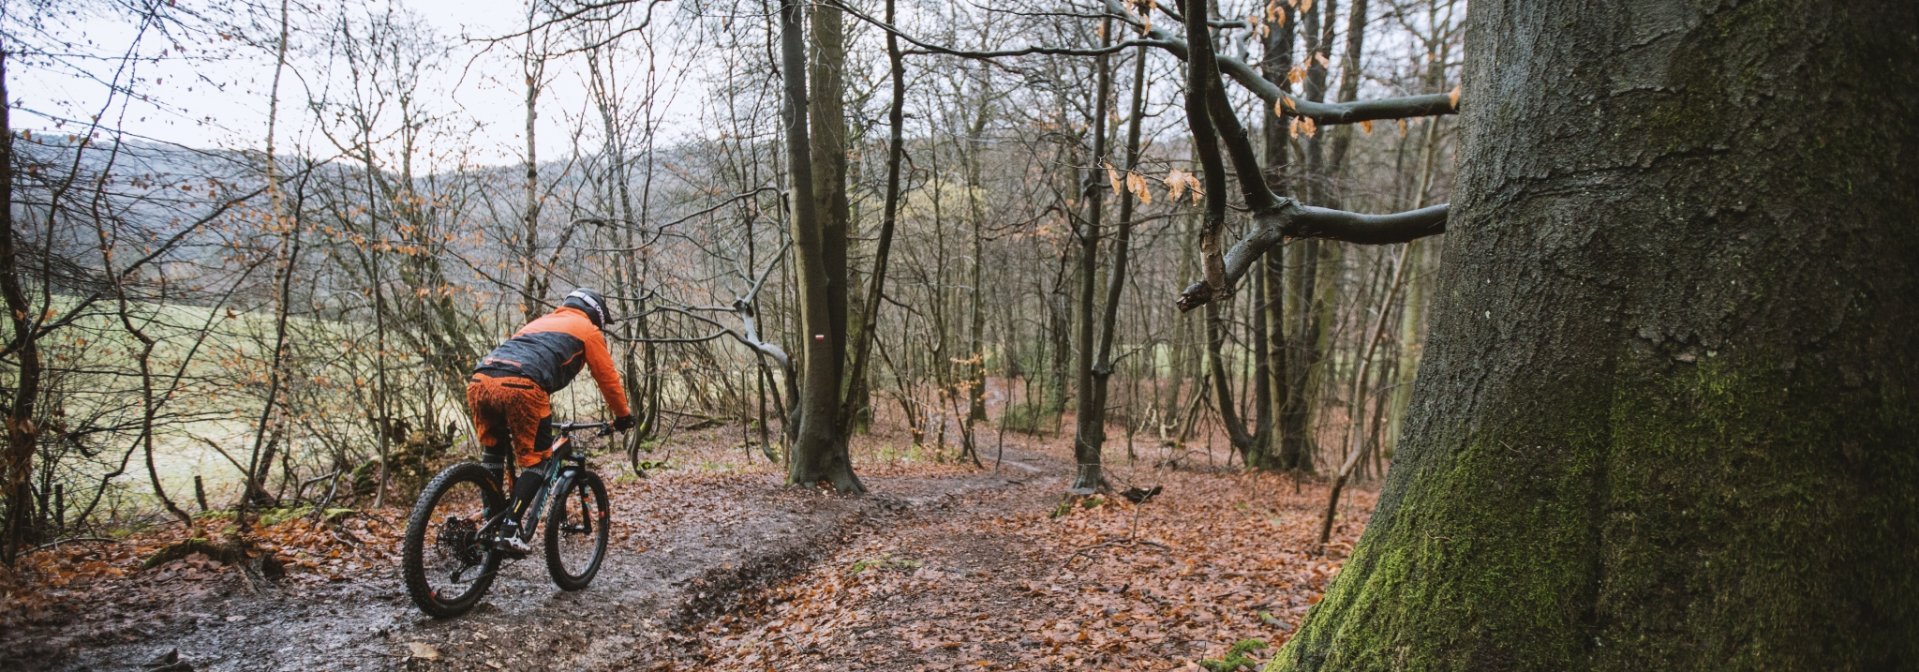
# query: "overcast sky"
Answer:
x=205 y=91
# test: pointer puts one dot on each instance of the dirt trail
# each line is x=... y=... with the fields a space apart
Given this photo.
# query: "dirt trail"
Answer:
x=948 y=566
x=690 y=551
x=1017 y=578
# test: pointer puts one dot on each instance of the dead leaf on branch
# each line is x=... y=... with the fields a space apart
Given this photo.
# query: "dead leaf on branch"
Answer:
x=1136 y=184
x=1275 y=12
x=1178 y=182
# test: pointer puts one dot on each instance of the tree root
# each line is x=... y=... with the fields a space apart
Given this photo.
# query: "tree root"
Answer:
x=226 y=553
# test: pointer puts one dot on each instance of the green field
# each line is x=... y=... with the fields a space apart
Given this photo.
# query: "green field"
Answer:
x=209 y=372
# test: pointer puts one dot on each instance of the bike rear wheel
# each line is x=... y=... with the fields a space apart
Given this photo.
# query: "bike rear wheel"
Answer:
x=576 y=532
x=447 y=563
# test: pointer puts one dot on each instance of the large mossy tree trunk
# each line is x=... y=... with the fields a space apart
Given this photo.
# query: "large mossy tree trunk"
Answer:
x=1667 y=418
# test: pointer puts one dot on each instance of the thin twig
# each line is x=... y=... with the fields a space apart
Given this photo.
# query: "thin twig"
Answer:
x=69 y=540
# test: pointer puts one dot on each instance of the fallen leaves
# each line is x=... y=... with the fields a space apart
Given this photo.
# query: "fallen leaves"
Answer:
x=422 y=651
x=1001 y=583
x=977 y=579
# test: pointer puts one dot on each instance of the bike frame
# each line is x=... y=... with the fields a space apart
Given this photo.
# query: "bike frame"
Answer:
x=567 y=463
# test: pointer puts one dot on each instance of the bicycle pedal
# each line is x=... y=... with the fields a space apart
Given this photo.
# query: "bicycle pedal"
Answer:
x=513 y=546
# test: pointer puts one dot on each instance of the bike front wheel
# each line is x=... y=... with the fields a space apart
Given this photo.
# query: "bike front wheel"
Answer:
x=447 y=562
x=576 y=531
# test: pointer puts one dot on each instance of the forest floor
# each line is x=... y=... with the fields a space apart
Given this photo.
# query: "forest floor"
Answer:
x=716 y=565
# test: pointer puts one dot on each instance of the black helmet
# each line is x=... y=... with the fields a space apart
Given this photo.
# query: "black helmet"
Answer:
x=589 y=302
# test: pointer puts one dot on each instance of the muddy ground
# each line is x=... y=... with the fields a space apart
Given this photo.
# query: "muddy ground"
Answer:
x=690 y=548
x=716 y=565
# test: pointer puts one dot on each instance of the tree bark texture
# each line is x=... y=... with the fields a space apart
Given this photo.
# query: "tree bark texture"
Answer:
x=1091 y=429
x=21 y=522
x=856 y=400
x=1667 y=416
x=1276 y=156
x=819 y=252
x=534 y=67
x=826 y=108
x=1089 y=434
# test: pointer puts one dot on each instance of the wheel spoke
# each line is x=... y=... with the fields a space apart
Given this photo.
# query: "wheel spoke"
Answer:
x=458 y=549
x=446 y=561
x=576 y=545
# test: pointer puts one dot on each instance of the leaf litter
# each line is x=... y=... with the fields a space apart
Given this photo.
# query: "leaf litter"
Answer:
x=1015 y=579
x=717 y=567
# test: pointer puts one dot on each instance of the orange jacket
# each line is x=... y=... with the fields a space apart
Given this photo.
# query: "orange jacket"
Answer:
x=550 y=351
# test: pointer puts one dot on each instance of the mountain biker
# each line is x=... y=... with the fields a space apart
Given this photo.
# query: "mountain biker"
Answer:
x=508 y=394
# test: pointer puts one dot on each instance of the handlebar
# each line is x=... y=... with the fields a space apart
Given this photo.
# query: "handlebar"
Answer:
x=569 y=427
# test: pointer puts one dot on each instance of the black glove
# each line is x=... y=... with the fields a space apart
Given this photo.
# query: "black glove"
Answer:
x=624 y=422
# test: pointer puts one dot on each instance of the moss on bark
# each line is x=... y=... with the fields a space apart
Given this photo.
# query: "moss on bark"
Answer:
x=1723 y=517
x=1667 y=417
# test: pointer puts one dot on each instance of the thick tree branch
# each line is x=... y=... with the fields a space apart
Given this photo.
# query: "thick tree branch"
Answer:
x=1292 y=219
x=1212 y=120
x=1405 y=107
x=1239 y=146
x=1201 y=76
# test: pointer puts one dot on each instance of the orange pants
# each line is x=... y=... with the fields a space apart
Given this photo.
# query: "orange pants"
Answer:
x=509 y=408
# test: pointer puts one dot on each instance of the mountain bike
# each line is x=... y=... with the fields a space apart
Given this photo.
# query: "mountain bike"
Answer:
x=451 y=552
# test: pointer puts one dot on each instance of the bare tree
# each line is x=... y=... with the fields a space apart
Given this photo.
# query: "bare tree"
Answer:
x=819 y=251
